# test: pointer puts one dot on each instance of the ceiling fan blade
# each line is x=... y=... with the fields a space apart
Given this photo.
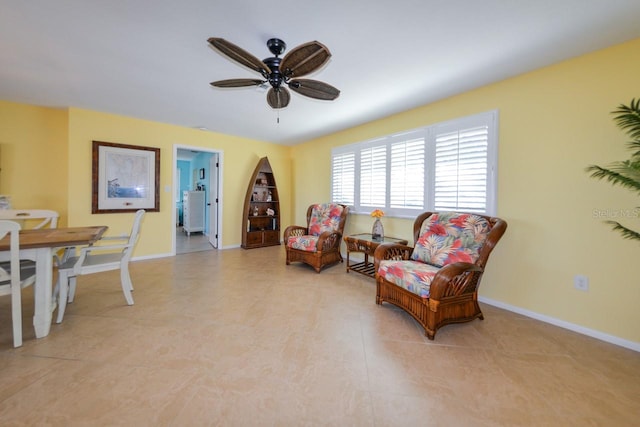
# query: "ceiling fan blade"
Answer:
x=278 y=98
x=237 y=83
x=239 y=55
x=304 y=59
x=314 y=89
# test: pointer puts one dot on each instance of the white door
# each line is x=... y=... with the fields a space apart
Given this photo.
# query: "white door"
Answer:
x=213 y=200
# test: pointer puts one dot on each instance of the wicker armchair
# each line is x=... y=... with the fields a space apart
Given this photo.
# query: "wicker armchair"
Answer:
x=437 y=281
x=318 y=244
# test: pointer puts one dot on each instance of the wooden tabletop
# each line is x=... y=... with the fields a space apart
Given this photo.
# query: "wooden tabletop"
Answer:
x=56 y=237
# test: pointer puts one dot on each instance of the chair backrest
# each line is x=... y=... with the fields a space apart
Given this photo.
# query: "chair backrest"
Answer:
x=133 y=237
x=12 y=277
x=443 y=238
x=47 y=217
x=326 y=217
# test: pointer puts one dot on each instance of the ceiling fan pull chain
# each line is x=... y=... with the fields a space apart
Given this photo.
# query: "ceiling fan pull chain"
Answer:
x=278 y=118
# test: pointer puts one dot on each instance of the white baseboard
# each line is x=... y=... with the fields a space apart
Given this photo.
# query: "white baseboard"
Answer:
x=230 y=247
x=563 y=324
x=154 y=256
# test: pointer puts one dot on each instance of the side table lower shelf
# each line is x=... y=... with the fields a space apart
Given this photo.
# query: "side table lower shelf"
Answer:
x=364 y=243
x=366 y=268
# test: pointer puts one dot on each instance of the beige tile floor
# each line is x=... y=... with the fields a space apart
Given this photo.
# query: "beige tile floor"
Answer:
x=236 y=338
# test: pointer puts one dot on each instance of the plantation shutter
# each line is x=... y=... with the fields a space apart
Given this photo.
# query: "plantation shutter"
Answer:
x=461 y=158
x=373 y=176
x=406 y=189
x=343 y=169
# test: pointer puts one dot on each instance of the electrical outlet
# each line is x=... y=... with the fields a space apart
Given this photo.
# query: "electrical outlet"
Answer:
x=581 y=282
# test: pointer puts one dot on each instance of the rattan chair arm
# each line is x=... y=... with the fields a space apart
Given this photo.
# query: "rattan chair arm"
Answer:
x=392 y=251
x=294 y=230
x=328 y=240
x=395 y=251
x=455 y=279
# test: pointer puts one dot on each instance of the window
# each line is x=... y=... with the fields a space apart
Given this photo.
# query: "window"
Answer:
x=447 y=166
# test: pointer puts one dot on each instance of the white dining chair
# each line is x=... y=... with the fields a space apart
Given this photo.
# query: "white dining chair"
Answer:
x=47 y=218
x=95 y=259
x=34 y=219
x=15 y=275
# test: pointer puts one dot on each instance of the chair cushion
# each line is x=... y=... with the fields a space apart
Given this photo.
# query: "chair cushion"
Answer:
x=449 y=237
x=303 y=243
x=414 y=276
x=324 y=217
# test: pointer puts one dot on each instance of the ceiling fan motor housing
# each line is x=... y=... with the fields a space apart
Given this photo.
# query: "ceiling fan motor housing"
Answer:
x=275 y=78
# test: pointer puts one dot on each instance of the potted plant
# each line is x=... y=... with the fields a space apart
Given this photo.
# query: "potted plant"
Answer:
x=624 y=173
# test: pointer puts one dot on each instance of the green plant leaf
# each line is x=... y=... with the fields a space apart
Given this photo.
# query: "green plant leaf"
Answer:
x=627 y=233
x=628 y=118
x=616 y=176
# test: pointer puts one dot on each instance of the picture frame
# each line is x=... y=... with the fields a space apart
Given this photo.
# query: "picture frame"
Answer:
x=201 y=173
x=125 y=178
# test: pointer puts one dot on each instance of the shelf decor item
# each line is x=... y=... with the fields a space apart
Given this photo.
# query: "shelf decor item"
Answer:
x=5 y=202
x=377 y=232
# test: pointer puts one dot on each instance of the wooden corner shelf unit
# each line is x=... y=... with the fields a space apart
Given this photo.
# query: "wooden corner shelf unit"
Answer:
x=261 y=213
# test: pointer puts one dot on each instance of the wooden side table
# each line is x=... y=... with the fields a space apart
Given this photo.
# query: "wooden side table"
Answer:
x=364 y=243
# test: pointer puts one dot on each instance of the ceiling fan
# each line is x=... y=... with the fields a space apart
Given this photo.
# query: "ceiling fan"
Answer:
x=279 y=72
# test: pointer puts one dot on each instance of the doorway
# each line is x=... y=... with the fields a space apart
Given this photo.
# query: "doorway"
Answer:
x=197 y=171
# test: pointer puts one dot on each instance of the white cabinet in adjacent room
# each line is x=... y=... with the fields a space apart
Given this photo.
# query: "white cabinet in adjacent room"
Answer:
x=193 y=211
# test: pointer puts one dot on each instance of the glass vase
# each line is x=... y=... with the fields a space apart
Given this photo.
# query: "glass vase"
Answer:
x=377 y=232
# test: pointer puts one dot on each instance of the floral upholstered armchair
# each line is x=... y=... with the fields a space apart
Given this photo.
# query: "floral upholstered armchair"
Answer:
x=437 y=281
x=317 y=244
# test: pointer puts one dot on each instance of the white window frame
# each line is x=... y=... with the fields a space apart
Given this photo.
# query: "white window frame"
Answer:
x=429 y=133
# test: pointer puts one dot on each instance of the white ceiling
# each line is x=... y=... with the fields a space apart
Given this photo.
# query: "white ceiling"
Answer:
x=150 y=58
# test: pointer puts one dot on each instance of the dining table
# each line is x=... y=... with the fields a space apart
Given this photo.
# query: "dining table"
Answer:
x=39 y=246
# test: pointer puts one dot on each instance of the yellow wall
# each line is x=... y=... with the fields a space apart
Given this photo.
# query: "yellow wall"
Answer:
x=553 y=123
x=33 y=157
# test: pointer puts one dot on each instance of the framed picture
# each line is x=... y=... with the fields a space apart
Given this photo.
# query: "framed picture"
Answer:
x=202 y=173
x=125 y=178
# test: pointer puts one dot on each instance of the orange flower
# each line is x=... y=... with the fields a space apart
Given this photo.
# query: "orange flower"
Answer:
x=377 y=213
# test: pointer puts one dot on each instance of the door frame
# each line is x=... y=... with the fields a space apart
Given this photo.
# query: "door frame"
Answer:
x=214 y=191
x=211 y=191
